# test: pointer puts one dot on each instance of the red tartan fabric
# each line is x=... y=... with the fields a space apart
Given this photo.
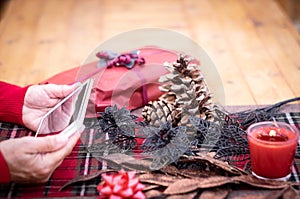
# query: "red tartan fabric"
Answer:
x=80 y=162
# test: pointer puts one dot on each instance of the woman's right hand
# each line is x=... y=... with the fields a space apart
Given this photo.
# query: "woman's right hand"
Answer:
x=33 y=160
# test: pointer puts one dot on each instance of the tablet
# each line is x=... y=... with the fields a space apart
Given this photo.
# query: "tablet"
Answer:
x=76 y=105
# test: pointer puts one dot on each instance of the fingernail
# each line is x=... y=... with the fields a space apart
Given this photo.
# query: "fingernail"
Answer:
x=77 y=84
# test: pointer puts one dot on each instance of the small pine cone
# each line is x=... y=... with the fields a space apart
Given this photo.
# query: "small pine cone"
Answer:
x=194 y=101
x=182 y=64
x=185 y=91
x=203 y=98
x=187 y=109
x=158 y=112
x=169 y=98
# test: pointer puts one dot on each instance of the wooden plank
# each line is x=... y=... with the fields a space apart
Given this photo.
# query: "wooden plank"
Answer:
x=280 y=41
x=52 y=43
x=208 y=32
x=85 y=29
x=51 y=40
x=257 y=66
x=255 y=54
x=129 y=15
x=15 y=43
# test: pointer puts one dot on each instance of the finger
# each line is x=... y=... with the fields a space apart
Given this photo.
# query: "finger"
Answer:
x=55 y=158
x=71 y=141
x=60 y=91
x=49 y=143
x=56 y=92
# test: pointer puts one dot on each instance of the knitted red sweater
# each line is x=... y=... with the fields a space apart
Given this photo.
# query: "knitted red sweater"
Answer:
x=11 y=99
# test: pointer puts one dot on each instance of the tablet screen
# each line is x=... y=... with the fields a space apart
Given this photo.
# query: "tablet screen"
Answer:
x=70 y=110
x=78 y=103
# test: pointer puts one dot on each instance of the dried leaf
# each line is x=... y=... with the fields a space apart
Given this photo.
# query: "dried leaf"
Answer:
x=187 y=185
x=182 y=186
x=154 y=194
x=157 y=179
x=195 y=170
x=215 y=163
x=290 y=192
x=213 y=181
x=151 y=187
x=249 y=194
x=171 y=170
x=84 y=178
x=223 y=165
x=127 y=162
x=214 y=194
x=203 y=166
x=194 y=173
x=275 y=194
x=268 y=184
x=287 y=193
x=185 y=196
x=140 y=165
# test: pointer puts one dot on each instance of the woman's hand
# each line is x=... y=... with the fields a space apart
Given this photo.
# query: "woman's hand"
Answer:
x=39 y=99
x=33 y=160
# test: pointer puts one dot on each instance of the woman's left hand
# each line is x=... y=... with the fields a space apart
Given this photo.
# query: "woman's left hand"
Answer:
x=39 y=99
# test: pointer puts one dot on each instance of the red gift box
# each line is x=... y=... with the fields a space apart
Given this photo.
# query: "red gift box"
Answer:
x=132 y=88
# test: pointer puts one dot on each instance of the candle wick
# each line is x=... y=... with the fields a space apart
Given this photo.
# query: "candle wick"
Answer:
x=275 y=122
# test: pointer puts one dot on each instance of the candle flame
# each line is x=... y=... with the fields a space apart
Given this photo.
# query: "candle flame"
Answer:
x=272 y=133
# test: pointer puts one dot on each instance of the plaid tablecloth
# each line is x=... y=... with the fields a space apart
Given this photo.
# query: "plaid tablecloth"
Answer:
x=80 y=162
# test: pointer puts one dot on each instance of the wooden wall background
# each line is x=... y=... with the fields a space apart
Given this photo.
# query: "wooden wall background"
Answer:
x=253 y=43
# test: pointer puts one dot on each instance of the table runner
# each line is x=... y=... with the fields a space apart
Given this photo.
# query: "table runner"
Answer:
x=80 y=162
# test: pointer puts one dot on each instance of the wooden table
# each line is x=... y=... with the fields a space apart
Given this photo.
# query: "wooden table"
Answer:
x=252 y=43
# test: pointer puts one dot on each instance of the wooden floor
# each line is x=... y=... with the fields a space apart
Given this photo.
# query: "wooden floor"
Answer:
x=253 y=44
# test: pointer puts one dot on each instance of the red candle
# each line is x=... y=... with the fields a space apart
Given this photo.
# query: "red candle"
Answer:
x=272 y=148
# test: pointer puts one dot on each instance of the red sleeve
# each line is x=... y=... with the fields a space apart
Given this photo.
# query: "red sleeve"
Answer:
x=11 y=100
x=4 y=171
x=11 y=104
